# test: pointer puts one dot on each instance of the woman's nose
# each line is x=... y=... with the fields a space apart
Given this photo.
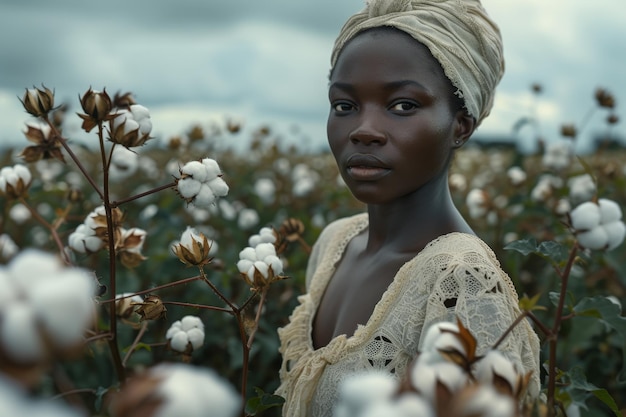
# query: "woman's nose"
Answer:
x=368 y=132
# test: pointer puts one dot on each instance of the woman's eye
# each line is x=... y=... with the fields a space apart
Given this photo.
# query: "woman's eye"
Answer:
x=342 y=107
x=404 y=106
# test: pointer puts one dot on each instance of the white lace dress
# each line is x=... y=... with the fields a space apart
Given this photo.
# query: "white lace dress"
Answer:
x=454 y=266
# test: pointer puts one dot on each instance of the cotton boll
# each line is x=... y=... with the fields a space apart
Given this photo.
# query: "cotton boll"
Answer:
x=436 y=330
x=615 y=232
x=275 y=263
x=194 y=392
x=8 y=290
x=64 y=306
x=262 y=267
x=19 y=335
x=19 y=213
x=247 y=218
x=16 y=402
x=191 y=322
x=486 y=402
x=495 y=363
x=26 y=269
x=196 y=170
x=218 y=186
x=379 y=409
x=264 y=250
x=425 y=377
x=265 y=235
x=610 y=211
x=360 y=390
x=248 y=253
x=411 y=405
x=212 y=168
x=196 y=338
x=179 y=341
x=582 y=187
x=595 y=239
x=227 y=210
x=188 y=187
x=585 y=216
x=265 y=189
x=176 y=327
x=516 y=175
x=205 y=196
x=92 y=243
x=244 y=265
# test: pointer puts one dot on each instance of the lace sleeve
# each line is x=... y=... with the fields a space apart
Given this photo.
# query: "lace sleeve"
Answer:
x=473 y=288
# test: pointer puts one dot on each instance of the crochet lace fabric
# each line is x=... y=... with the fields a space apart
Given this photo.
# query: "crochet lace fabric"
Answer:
x=455 y=266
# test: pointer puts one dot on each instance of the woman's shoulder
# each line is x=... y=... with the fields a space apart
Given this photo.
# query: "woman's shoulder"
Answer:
x=342 y=226
x=461 y=246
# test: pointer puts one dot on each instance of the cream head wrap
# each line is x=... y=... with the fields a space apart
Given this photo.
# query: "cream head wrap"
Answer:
x=458 y=33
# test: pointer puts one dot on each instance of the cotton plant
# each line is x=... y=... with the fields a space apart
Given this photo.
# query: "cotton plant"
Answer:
x=594 y=226
x=93 y=235
x=103 y=237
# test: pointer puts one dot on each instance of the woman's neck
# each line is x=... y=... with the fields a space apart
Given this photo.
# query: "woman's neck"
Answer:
x=411 y=222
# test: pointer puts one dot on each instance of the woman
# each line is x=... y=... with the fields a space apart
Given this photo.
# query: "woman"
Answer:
x=409 y=83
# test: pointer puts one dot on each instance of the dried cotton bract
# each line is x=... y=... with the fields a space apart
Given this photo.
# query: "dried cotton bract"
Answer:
x=193 y=248
x=131 y=127
x=38 y=102
x=598 y=226
x=201 y=183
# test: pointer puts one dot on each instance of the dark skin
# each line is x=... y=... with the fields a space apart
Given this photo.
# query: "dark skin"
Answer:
x=393 y=126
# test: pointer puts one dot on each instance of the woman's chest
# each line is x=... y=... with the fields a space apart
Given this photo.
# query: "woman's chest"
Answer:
x=351 y=296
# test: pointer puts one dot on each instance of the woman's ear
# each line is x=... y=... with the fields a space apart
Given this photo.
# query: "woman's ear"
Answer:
x=464 y=127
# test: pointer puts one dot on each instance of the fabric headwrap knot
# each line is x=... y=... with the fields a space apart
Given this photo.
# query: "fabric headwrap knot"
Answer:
x=458 y=33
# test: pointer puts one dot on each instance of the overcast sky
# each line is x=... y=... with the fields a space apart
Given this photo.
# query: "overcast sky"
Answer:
x=267 y=61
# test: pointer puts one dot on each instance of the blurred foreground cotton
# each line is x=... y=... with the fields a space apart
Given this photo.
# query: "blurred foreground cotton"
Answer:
x=45 y=307
x=176 y=390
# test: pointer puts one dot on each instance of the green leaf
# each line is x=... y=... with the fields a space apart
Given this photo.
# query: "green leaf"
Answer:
x=553 y=251
x=139 y=346
x=262 y=402
x=524 y=246
x=554 y=297
x=530 y=304
x=578 y=381
x=608 y=313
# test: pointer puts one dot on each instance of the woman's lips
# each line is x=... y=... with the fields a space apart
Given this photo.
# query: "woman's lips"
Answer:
x=366 y=167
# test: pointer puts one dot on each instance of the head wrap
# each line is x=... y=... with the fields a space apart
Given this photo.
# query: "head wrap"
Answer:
x=458 y=33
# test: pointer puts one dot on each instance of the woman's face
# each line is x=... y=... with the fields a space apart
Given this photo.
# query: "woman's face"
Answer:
x=391 y=125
